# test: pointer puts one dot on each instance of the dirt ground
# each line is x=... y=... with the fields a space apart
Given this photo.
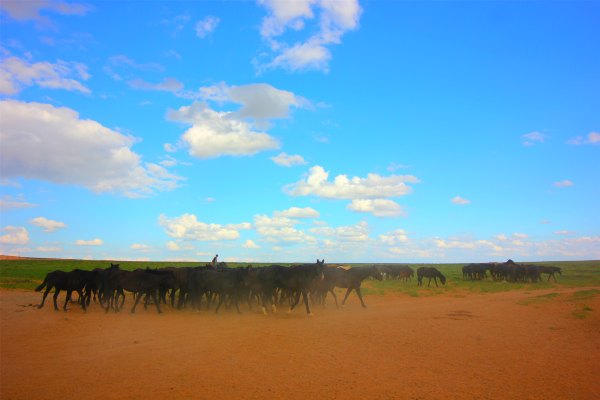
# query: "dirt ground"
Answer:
x=511 y=345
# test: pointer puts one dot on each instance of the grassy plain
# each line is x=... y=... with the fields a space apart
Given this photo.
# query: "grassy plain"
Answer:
x=28 y=273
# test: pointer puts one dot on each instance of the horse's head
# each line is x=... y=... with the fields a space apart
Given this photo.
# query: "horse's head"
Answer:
x=442 y=279
x=376 y=273
x=320 y=269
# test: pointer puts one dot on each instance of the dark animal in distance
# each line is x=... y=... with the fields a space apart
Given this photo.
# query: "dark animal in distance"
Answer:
x=431 y=273
x=350 y=280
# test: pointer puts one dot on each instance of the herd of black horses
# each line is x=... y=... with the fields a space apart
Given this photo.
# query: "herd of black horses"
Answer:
x=267 y=286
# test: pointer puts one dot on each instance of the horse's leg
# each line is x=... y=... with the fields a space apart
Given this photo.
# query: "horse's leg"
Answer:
x=56 y=292
x=156 y=301
x=435 y=280
x=296 y=300
x=357 y=289
x=83 y=303
x=429 y=283
x=334 y=297
x=305 y=297
x=122 y=293
x=137 y=299
x=221 y=300
x=347 y=294
x=44 y=297
x=67 y=299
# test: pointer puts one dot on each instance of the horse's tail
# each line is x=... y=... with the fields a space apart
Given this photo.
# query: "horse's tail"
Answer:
x=39 y=288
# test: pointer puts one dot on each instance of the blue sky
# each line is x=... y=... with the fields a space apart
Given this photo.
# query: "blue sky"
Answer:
x=270 y=131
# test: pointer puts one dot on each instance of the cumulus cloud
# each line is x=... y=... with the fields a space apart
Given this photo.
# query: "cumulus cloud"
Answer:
x=592 y=138
x=17 y=74
x=92 y=242
x=48 y=225
x=564 y=183
x=206 y=26
x=377 y=207
x=167 y=85
x=187 y=227
x=297 y=212
x=373 y=186
x=348 y=233
x=40 y=141
x=8 y=202
x=14 y=235
x=30 y=9
x=140 y=247
x=214 y=133
x=395 y=237
x=532 y=138
x=459 y=200
x=259 y=101
x=329 y=20
x=249 y=244
x=288 y=160
x=238 y=132
x=280 y=229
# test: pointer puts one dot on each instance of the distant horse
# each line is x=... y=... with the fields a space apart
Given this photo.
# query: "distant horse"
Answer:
x=348 y=279
x=431 y=273
x=352 y=279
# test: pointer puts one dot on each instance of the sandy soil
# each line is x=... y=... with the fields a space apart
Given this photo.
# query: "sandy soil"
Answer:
x=511 y=345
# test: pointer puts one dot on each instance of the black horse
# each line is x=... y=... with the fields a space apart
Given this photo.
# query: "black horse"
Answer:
x=140 y=282
x=348 y=279
x=297 y=280
x=431 y=273
x=75 y=280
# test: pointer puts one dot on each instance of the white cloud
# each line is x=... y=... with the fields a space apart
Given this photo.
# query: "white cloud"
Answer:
x=140 y=247
x=48 y=225
x=30 y=9
x=377 y=207
x=564 y=183
x=288 y=160
x=92 y=242
x=394 y=237
x=187 y=227
x=459 y=200
x=342 y=187
x=7 y=202
x=17 y=73
x=280 y=229
x=297 y=212
x=334 y=19
x=14 y=235
x=564 y=232
x=259 y=101
x=167 y=85
x=214 y=134
x=206 y=26
x=349 y=233
x=174 y=246
x=533 y=138
x=591 y=138
x=40 y=141
x=520 y=235
x=249 y=244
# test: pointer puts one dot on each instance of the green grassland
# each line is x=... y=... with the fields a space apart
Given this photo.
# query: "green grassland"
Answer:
x=28 y=273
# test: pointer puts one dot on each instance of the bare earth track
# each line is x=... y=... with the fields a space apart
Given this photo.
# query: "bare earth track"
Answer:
x=512 y=345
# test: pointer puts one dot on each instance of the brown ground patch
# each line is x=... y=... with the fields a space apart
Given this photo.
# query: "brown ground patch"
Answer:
x=482 y=346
